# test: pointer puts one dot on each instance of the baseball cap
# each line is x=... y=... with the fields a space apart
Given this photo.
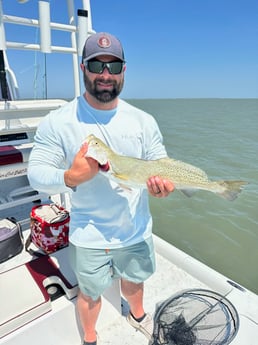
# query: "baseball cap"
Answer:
x=102 y=43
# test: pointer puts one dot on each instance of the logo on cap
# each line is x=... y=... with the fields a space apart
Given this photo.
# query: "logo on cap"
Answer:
x=104 y=42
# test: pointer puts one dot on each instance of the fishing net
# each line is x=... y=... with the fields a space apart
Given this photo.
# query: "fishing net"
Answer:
x=195 y=317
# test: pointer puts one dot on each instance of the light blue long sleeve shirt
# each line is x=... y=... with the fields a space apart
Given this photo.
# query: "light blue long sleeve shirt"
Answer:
x=103 y=214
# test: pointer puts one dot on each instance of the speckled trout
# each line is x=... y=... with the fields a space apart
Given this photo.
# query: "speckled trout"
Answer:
x=134 y=172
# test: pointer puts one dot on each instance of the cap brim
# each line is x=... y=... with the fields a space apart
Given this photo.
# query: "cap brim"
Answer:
x=102 y=54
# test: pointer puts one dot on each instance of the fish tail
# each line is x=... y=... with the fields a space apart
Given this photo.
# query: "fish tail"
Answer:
x=231 y=189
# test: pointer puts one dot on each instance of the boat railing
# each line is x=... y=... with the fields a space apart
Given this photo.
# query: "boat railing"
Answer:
x=78 y=33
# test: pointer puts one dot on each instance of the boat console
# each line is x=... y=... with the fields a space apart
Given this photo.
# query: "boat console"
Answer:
x=18 y=123
x=44 y=277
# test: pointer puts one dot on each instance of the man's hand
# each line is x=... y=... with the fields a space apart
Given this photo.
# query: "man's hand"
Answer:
x=158 y=187
x=82 y=169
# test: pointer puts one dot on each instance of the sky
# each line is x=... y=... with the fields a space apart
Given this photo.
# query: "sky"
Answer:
x=173 y=48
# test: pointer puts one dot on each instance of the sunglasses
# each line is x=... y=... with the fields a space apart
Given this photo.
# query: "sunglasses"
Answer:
x=95 y=66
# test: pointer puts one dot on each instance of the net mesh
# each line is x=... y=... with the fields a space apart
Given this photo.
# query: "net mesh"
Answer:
x=195 y=317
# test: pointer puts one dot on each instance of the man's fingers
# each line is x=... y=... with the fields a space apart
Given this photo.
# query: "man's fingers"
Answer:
x=169 y=186
x=83 y=149
x=159 y=187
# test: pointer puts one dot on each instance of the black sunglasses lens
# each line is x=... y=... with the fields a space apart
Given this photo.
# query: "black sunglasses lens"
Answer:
x=95 y=66
x=114 y=67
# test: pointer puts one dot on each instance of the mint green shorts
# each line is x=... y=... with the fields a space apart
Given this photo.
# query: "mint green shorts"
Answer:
x=95 y=269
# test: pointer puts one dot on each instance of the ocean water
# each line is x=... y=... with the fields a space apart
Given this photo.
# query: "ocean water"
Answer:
x=221 y=137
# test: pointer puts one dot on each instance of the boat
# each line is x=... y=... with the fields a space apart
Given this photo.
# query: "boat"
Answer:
x=38 y=294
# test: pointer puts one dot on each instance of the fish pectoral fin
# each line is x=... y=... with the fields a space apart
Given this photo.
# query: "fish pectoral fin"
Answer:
x=123 y=186
x=120 y=176
x=188 y=192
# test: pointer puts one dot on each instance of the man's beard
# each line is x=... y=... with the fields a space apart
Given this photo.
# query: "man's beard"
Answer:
x=103 y=96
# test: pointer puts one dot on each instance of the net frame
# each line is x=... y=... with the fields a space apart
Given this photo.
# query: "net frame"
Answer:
x=217 y=319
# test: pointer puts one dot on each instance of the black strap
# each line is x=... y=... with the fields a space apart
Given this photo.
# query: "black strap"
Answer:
x=3 y=81
x=31 y=251
x=14 y=221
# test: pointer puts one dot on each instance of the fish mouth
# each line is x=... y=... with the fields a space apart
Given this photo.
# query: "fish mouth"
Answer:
x=104 y=167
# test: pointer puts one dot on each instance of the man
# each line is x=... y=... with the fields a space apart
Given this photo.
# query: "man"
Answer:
x=110 y=227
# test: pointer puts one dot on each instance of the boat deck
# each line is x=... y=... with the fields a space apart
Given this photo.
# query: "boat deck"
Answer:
x=56 y=322
x=112 y=325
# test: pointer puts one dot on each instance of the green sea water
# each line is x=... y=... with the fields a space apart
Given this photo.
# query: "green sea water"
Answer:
x=221 y=137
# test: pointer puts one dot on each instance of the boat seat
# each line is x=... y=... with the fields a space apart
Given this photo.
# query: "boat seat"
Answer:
x=12 y=154
x=23 y=290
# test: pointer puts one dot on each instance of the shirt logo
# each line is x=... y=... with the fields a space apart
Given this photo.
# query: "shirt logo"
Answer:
x=104 y=42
